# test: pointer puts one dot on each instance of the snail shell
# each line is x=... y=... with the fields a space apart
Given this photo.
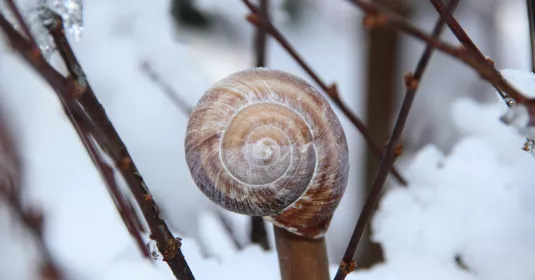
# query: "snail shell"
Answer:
x=266 y=143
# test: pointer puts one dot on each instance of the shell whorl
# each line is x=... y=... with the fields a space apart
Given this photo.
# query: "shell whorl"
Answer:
x=265 y=143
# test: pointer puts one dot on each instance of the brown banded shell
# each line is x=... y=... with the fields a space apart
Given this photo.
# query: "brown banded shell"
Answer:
x=265 y=143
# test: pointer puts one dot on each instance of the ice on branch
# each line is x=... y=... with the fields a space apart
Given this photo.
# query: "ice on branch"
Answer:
x=71 y=13
x=38 y=13
x=520 y=116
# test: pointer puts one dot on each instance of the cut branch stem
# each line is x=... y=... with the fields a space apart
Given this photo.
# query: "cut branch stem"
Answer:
x=301 y=257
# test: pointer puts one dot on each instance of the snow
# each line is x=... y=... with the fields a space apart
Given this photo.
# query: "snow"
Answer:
x=472 y=200
x=518 y=116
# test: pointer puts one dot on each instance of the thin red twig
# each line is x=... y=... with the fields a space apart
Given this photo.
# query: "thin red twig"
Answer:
x=175 y=98
x=467 y=42
x=186 y=109
x=84 y=105
x=379 y=17
x=21 y=21
x=330 y=90
x=30 y=217
x=128 y=215
x=411 y=82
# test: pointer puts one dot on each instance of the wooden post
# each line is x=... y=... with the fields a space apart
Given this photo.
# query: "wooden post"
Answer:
x=301 y=257
x=383 y=57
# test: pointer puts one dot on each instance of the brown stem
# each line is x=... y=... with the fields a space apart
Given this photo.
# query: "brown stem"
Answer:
x=128 y=214
x=110 y=141
x=531 y=16
x=175 y=98
x=31 y=217
x=32 y=220
x=378 y=17
x=383 y=57
x=21 y=21
x=411 y=81
x=258 y=227
x=330 y=90
x=186 y=109
x=301 y=257
x=261 y=36
x=463 y=37
x=130 y=219
x=84 y=104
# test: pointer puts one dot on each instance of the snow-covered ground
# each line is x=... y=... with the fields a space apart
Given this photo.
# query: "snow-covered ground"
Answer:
x=468 y=197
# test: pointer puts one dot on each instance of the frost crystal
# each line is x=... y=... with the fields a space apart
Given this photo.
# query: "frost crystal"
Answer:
x=71 y=13
x=529 y=146
x=152 y=246
x=516 y=116
x=37 y=14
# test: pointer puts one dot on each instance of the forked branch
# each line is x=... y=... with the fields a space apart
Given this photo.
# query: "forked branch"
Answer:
x=376 y=17
x=79 y=99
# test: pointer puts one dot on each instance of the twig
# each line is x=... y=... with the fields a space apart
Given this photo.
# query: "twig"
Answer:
x=21 y=21
x=128 y=215
x=260 y=42
x=175 y=98
x=411 y=82
x=125 y=209
x=468 y=44
x=330 y=90
x=377 y=17
x=110 y=141
x=84 y=105
x=227 y=225
x=33 y=222
x=30 y=217
x=186 y=109
x=531 y=16
x=258 y=228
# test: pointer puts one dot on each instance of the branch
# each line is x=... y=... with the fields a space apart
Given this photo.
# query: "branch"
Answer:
x=531 y=17
x=378 y=17
x=465 y=40
x=411 y=82
x=108 y=138
x=331 y=90
x=260 y=42
x=20 y=19
x=79 y=98
x=128 y=214
x=175 y=98
x=182 y=106
x=31 y=218
x=258 y=228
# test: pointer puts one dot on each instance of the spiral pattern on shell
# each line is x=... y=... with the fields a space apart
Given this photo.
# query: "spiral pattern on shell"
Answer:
x=265 y=143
